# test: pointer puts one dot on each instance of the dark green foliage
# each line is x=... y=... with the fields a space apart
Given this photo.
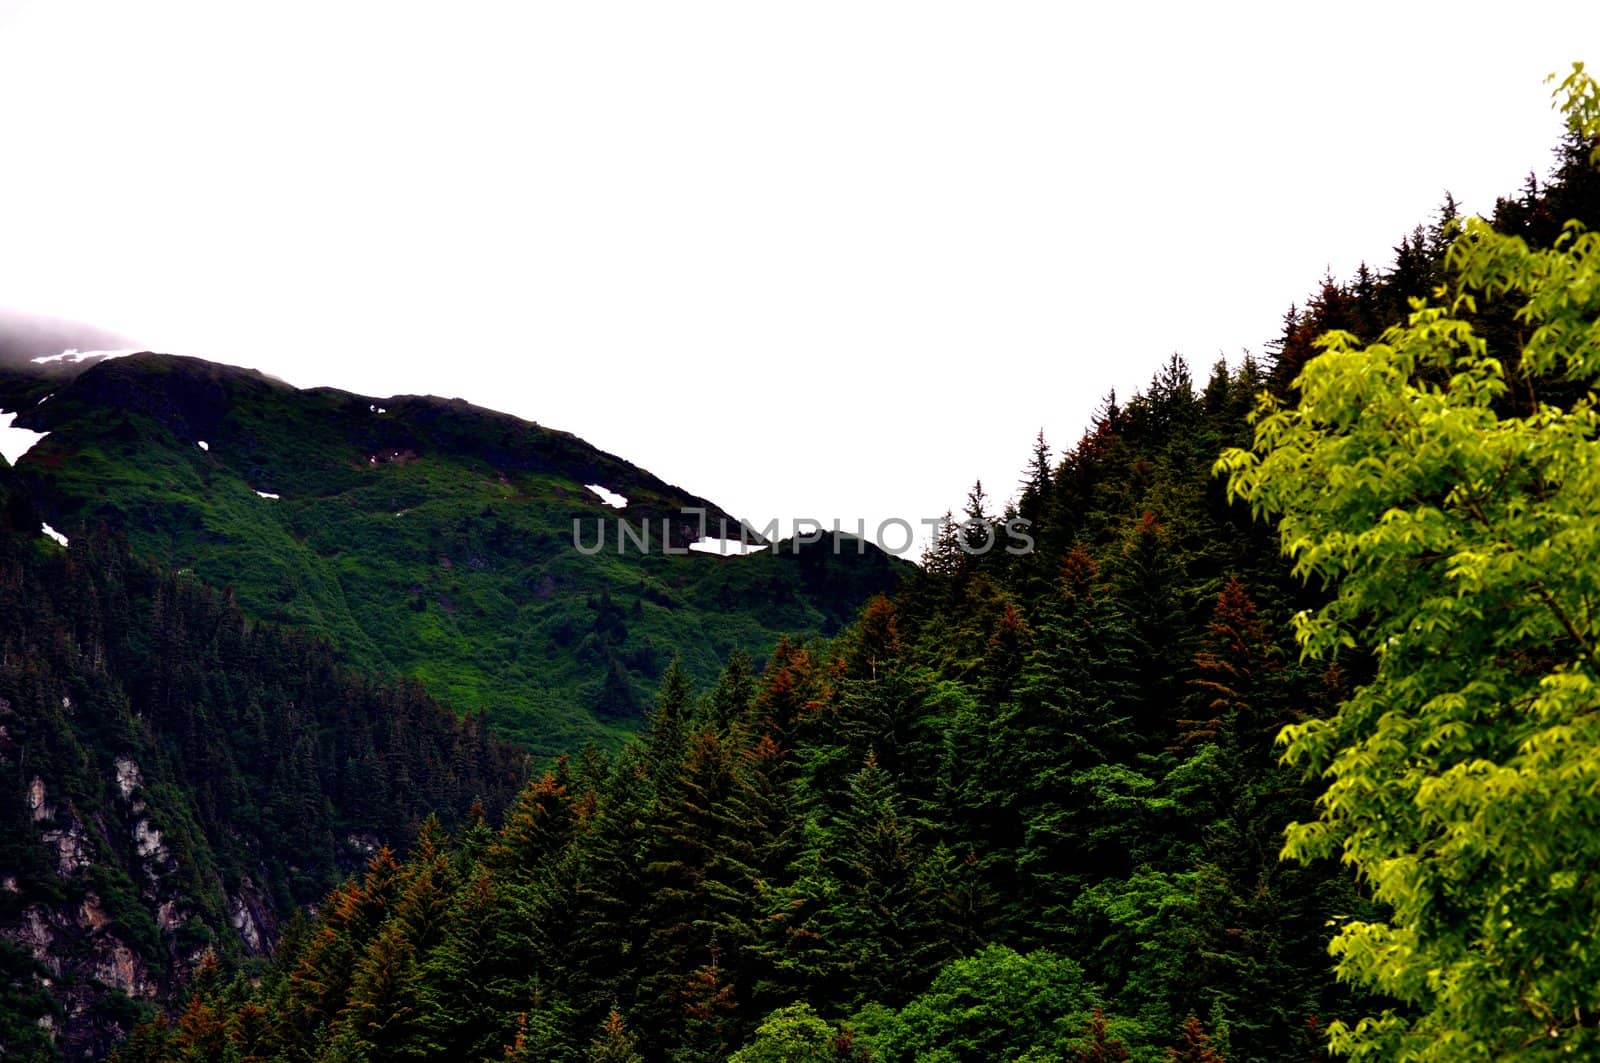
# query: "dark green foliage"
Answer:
x=871 y=911
x=24 y=1002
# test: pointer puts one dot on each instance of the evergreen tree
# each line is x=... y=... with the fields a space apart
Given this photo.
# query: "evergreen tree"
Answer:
x=614 y=1044
x=384 y=1000
x=1098 y=1045
x=729 y=701
x=863 y=919
x=1196 y=1047
x=478 y=979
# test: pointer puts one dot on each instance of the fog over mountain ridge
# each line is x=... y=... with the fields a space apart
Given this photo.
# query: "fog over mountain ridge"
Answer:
x=25 y=336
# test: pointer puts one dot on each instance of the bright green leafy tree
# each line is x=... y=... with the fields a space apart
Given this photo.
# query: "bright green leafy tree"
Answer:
x=795 y=1034
x=1448 y=490
x=998 y=1004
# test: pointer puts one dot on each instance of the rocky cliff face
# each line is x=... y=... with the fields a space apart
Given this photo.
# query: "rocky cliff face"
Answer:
x=113 y=925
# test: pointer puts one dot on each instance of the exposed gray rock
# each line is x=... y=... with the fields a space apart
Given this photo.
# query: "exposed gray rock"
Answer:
x=72 y=849
x=92 y=915
x=116 y=965
x=36 y=934
x=129 y=778
x=147 y=841
x=244 y=922
x=170 y=915
x=364 y=843
x=37 y=803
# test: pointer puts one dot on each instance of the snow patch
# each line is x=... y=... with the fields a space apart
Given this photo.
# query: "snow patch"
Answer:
x=15 y=442
x=377 y=409
x=203 y=445
x=57 y=536
x=609 y=497
x=73 y=356
x=726 y=547
x=46 y=399
x=267 y=494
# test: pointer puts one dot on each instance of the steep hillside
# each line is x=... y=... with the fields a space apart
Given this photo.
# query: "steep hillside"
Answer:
x=177 y=781
x=424 y=537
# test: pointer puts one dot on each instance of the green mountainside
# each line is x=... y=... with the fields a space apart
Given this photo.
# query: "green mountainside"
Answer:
x=425 y=537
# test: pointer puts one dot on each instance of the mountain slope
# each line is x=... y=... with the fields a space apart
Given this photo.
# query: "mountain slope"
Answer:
x=1019 y=789
x=425 y=537
x=176 y=781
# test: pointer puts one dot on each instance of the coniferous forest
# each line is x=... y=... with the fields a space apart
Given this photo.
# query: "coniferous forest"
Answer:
x=1022 y=807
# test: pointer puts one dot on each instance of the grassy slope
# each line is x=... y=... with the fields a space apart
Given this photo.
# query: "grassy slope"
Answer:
x=433 y=540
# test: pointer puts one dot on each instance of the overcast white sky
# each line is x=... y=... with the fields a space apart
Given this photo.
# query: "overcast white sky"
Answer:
x=822 y=259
